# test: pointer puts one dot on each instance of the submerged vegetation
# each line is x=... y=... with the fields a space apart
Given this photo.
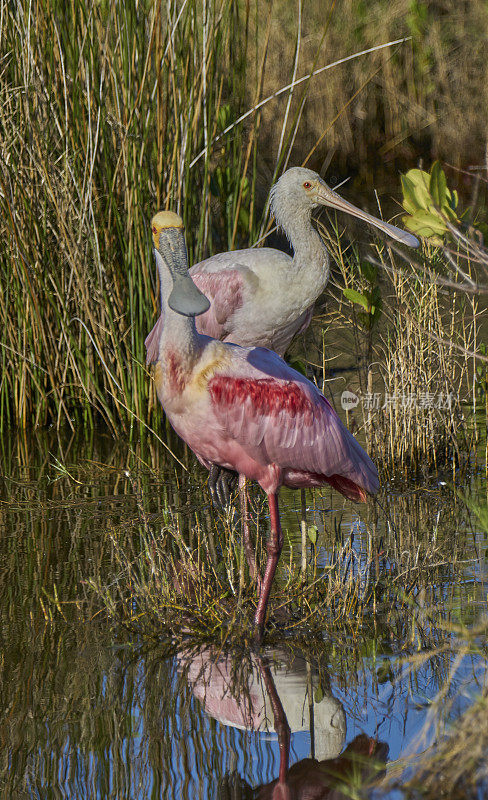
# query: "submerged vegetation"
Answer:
x=90 y=528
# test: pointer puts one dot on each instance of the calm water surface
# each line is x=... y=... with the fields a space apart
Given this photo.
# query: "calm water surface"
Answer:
x=89 y=709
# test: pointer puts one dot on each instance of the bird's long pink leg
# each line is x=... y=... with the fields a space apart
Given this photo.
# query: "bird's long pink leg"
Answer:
x=275 y=543
x=246 y=534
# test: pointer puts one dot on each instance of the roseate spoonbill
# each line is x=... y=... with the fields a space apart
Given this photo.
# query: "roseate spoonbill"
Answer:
x=261 y=297
x=244 y=408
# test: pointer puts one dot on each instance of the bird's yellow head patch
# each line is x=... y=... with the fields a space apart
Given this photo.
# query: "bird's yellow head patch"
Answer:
x=162 y=220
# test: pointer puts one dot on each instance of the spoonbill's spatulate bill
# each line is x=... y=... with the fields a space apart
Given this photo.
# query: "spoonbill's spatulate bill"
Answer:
x=244 y=408
x=261 y=297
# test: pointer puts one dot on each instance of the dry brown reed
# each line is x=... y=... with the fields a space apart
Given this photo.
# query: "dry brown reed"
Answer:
x=426 y=379
x=424 y=100
x=416 y=378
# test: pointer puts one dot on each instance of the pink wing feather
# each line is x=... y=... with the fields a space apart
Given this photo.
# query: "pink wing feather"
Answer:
x=225 y=290
x=272 y=409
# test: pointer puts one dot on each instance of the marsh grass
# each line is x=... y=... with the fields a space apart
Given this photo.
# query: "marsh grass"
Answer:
x=457 y=767
x=415 y=368
x=107 y=113
x=101 y=109
x=381 y=569
x=449 y=753
x=112 y=110
x=424 y=355
x=389 y=592
x=166 y=564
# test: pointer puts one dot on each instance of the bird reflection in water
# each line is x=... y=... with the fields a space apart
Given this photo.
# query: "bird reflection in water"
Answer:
x=262 y=693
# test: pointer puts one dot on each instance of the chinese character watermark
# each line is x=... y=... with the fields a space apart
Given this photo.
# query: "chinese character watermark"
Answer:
x=386 y=401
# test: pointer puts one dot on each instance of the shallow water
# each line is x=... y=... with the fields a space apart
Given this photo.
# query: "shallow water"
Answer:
x=89 y=709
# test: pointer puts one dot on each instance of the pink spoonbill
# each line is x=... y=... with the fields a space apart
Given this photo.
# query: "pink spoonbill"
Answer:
x=262 y=297
x=245 y=409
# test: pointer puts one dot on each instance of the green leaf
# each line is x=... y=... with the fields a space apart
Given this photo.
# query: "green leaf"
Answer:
x=418 y=191
x=425 y=223
x=357 y=297
x=319 y=694
x=438 y=185
x=312 y=533
x=409 y=203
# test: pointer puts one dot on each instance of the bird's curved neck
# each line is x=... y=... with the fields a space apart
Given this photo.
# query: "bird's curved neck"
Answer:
x=179 y=334
x=310 y=256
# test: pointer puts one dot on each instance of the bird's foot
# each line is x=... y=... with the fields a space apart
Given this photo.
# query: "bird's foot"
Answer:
x=222 y=483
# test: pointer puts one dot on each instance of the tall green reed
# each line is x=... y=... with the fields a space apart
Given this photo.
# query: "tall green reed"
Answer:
x=109 y=111
x=102 y=109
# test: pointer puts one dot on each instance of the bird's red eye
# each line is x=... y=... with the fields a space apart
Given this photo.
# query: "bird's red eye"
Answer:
x=307 y=185
x=154 y=229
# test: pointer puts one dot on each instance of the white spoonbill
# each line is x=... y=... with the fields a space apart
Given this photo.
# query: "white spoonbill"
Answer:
x=262 y=297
